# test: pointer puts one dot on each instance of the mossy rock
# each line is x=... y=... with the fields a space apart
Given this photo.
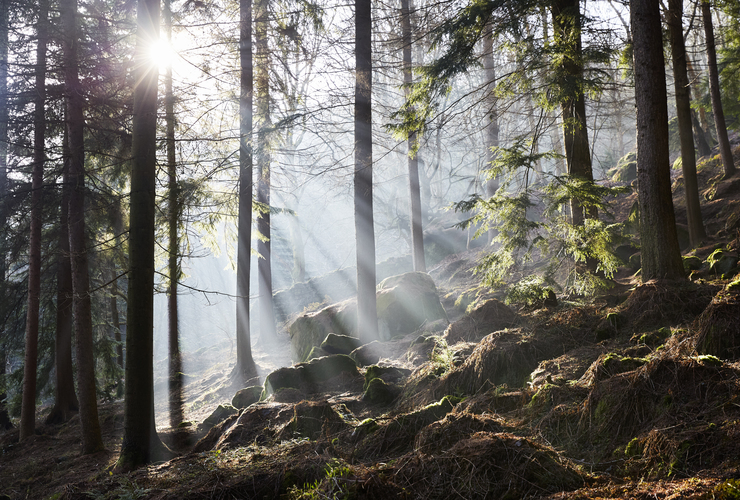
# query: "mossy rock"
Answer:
x=316 y=352
x=691 y=263
x=609 y=365
x=635 y=261
x=719 y=328
x=656 y=338
x=247 y=396
x=365 y=428
x=386 y=373
x=380 y=393
x=339 y=344
x=313 y=419
x=406 y=302
x=221 y=413
x=308 y=376
x=626 y=169
x=368 y=354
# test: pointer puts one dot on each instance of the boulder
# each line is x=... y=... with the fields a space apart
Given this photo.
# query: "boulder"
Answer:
x=490 y=316
x=247 y=396
x=626 y=169
x=389 y=374
x=312 y=419
x=308 y=377
x=368 y=354
x=219 y=414
x=380 y=393
x=310 y=330
x=339 y=344
x=406 y=302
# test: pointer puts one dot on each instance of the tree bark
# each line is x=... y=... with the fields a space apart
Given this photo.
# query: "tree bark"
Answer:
x=173 y=244
x=92 y=440
x=140 y=436
x=264 y=125
x=5 y=422
x=367 y=315
x=566 y=17
x=28 y=402
x=683 y=110
x=492 y=128
x=245 y=367
x=719 y=114
x=417 y=234
x=65 y=399
x=661 y=257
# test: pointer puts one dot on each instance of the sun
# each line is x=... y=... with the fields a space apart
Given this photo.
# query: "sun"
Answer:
x=161 y=53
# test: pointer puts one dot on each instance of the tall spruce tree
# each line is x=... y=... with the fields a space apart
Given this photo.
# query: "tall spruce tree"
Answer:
x=683 y=110
x=661 y=257
x=28 y=404
x=367 y=315
x=245 y=368
x=140 y=438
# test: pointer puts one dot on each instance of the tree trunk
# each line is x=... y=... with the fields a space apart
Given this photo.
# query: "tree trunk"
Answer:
x=245 y=368
x=5 y=422
x=719 y=115
x=683 y=109
x=417 y=234
x=118 y=231
x=567 y=32
x=262 y=84
x=28 y=402
x=492 y=128
x=92 y=440
x=139 y=436
x=367 y=315
x=661 y=257
x=173 y=248
x=64 y=394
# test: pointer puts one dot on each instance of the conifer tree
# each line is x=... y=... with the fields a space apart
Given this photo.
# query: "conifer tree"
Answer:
x=367 y=316
x=28 y=405
x=661 y=257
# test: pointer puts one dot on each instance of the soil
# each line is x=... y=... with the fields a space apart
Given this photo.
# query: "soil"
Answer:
x=599 y=398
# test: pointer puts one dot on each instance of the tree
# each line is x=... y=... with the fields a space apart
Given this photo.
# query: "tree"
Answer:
x=367 y=315
x=417 y=234
x=492 y=128
x=173 y=249
x=264 y=135
x=719 y=115
x=683 y=110
x=661 y=257
x=140 y=436
x=245 y=368
x=28 y=405
x=569 y=80
x=65 y=399
x=5 y=422
x=92 y=440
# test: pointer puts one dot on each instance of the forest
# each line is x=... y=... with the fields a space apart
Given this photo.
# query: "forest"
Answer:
x=304 y=249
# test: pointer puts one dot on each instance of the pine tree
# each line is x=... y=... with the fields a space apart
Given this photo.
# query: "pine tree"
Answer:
x=28 y=408
x=661 y=257
x=367 y=316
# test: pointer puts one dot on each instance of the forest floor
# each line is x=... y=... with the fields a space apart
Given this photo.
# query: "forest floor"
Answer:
x=608 y=397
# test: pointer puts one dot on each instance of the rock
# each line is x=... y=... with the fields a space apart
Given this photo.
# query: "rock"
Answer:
x=635 y=261
x=310 y=330
x=718 y=326
x=406 y=302
x=219 y=414
x=380 y=393
x=624 y=252
x=385 y=373
x=368 y=354
x=691 y=263
x=490 y=316
x=316 y=352
x=307 y=377
x=626 y=169
x=336 y=286
x=247 y=396
x=339 y=344
x=311 y=419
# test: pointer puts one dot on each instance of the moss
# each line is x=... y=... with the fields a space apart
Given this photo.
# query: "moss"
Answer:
x=709 y=360
x=634 y=448
x=378 y=392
